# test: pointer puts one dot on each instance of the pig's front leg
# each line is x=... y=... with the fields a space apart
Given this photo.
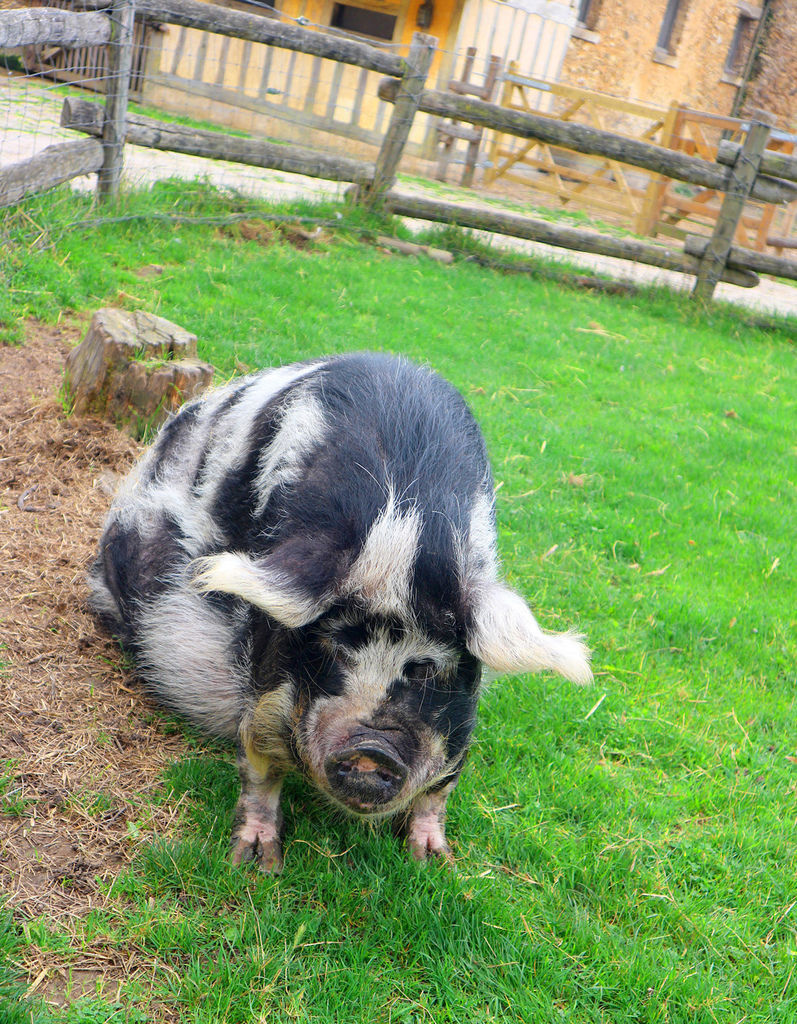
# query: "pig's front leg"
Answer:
x=258 y=818
x=425 y=825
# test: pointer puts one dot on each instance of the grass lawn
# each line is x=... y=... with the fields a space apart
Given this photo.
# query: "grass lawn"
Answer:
x=625 y=853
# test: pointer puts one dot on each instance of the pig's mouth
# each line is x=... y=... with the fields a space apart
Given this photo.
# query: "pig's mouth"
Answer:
x=367 y=774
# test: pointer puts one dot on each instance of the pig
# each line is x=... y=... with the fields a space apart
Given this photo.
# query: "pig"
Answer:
x=305 y=562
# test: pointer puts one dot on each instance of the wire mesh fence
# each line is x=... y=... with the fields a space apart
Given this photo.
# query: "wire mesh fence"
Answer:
x=186 y=74
x=36 y=80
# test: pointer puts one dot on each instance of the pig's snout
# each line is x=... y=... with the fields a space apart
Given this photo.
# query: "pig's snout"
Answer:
x=366 y=774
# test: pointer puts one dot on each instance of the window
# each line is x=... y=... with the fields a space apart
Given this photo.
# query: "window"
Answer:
x=743 y=35
x=587 y=20
x=363 y=21
x=588 y=12
x=671 y=27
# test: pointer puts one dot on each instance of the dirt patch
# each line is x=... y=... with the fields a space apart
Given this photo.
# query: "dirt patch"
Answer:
x=84 y=745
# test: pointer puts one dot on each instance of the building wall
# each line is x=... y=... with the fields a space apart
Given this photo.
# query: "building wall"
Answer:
x=773 y=86
x=316 y=102
x=617 y=54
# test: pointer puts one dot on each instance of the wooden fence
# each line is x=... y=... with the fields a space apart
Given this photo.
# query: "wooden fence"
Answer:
x=87 y=65
x=741 y=172
x=62 y=162
x=649 y=204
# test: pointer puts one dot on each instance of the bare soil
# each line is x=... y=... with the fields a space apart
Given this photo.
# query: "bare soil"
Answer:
x=80 y=746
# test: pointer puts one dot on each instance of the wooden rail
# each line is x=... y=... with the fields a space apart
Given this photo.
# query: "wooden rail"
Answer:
x=592 y=141
x=88 y=117
x=29 y=26
x=780 y=165
x=257 y=29
x=555 y=234
x=52 y=166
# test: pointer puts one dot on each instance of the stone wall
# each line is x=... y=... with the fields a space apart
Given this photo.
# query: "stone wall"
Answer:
x=773 y=86
x=616 y=53
x=619 y=56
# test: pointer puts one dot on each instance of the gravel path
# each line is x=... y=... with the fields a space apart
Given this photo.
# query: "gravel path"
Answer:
x=29 y=114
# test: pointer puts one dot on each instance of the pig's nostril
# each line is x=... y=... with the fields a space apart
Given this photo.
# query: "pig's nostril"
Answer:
x=365 y=777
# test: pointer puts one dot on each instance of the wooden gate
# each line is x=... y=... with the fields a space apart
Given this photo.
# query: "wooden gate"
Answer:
x=678 y=210
x=649 y=204
x=578 y=181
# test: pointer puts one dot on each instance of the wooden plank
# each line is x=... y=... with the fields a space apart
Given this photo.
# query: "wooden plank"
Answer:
x=565 y=195
x=552 y=234
x=777 y=165
x=227 y=22
x=746 y=259
x=289 y=97
x=120 y=61
x=48 y=26
x=222 y=61
x=778 y=242
x=585 y=139
x=743 y=175
x=243 y=70
x=177 y=56
x=53 y=166
x=333 y=91
x=199 y=59
x=312 y=83
x=267 y=58
x=79 y=77
x=362 y=84
x=491 y=171
x=644 y=110
x=82 y=115
x=760 y=227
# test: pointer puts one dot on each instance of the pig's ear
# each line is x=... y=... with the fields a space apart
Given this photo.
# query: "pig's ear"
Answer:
x=505 y=636
x=294 y=583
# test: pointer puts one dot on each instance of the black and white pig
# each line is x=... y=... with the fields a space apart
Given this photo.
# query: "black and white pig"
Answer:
x=305 y=561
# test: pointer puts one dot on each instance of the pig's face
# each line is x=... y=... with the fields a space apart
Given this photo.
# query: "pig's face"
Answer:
x=385 y=709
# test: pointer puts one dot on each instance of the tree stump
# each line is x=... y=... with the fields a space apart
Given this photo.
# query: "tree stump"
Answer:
x=135 y=369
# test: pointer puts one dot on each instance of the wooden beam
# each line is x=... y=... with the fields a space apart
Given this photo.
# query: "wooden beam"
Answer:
x=85 y=116
x=780 y=242
x=47 y=26
x=227 y=22
x=778 y=165
x=120 y=60
x=553 y=234
x=743 y=175
x=740 y=258
x=585 y=139
x=53 y=166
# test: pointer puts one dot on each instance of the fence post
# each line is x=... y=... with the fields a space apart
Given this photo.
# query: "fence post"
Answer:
x=120 y=59
x=742 y=179
x=416 y=71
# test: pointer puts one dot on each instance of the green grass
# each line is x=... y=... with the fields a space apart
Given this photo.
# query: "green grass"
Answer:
x=633 y=864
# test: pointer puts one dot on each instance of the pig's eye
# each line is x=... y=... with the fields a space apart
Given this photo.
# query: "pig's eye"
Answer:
x=419 y=671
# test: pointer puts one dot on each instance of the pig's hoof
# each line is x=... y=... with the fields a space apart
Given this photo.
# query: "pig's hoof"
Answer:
x=425 y=852
x=425 y=848
x=265 y=853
